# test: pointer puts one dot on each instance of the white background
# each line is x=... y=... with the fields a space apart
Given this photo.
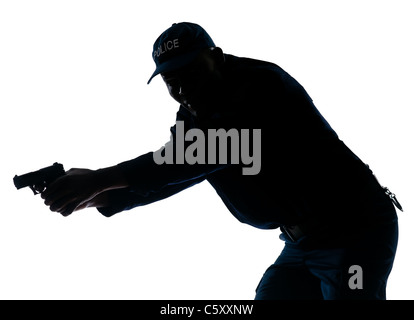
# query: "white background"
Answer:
x=73 y=89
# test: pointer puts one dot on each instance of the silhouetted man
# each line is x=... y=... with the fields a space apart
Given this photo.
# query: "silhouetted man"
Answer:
x=252 y=131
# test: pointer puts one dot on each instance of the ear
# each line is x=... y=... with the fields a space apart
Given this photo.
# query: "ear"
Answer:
x=217 y=55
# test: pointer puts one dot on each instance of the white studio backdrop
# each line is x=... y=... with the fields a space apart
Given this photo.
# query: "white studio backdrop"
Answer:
x=73 y=89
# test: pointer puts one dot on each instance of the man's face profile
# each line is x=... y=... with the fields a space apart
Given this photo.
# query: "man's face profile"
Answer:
x=195 y=86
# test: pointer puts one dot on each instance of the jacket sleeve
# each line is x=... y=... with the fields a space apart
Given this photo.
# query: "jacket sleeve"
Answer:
x=126 y=199
x=150 y=182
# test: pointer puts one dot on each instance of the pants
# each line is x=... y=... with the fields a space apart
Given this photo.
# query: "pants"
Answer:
x=356 y=271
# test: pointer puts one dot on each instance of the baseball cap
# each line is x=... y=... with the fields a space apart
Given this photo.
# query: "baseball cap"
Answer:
x=178 y=46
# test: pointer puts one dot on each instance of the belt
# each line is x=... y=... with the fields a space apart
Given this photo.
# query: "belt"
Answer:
x=294 y=233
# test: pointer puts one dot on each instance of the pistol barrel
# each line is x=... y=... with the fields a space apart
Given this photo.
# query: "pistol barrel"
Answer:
x=39 y=179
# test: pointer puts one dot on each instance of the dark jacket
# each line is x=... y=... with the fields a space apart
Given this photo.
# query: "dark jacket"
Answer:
x=307 y=173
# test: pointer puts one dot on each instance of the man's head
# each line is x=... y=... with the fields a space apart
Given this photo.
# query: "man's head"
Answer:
x=190 y=63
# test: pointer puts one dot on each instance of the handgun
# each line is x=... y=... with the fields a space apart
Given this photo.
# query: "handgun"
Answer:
x=40 y=179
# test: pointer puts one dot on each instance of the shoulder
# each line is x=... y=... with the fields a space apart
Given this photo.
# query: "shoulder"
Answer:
x=256 y=73
x=249 y=66
x=256 y=79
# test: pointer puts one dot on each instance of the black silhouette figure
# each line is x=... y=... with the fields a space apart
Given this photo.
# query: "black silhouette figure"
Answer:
x=339 y=225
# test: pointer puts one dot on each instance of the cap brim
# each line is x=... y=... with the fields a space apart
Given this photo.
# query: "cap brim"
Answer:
x=175 y=64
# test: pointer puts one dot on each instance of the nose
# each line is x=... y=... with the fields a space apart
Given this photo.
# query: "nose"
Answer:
x=186 y=87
